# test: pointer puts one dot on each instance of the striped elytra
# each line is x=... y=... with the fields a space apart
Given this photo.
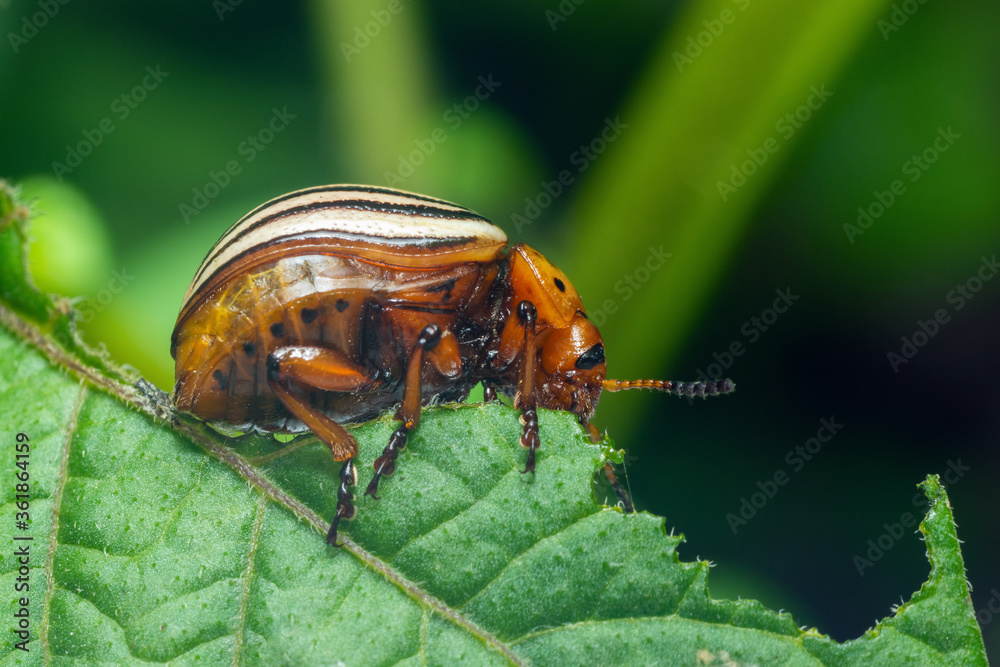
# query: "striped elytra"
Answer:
x=332 y=304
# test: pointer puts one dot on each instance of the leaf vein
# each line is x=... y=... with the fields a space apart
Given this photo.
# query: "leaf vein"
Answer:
x=901 y=631
x=636 y=620
x=687 y=591
x=54 y=527
x=248 y=577
x=452 y=518
x=174 y=515
x=514 y=559
x=298 y=508
x=424 y=622
x=95 y=607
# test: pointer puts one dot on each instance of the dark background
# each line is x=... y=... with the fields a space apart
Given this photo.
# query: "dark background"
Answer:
x=113 y=230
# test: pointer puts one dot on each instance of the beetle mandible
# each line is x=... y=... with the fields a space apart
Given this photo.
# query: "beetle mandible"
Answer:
x=329 y=305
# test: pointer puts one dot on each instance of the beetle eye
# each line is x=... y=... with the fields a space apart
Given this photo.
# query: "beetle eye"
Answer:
x=591 y=357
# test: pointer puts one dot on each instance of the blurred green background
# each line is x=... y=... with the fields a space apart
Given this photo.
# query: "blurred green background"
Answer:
x=740 y=137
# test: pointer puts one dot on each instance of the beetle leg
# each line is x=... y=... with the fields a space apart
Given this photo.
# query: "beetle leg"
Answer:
x=525 y=399
x=328 y=370
x=409 y=411
x=609 y=472
x=489 y=393
x=341 y=443
x=446 y=357
x=345 y=500
x=318 y=367
x=623 y=497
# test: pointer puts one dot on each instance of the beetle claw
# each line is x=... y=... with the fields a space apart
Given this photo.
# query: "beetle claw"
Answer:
x=529 y=465
x=345 y=500
x=373 y=485
x=386 y=464
x=331 y=535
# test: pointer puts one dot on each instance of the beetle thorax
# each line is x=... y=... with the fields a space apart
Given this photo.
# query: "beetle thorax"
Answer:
x=569 y=366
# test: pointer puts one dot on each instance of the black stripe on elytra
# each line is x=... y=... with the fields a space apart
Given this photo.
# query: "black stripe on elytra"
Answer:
x=370 y=189
x=269 y=204
x=234 y=259
x=352 y=204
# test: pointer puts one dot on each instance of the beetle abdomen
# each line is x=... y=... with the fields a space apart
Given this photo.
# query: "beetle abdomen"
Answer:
x=363 y=310
x=223 y=345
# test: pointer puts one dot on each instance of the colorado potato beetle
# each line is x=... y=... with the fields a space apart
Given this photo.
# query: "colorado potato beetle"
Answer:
x=329 y=305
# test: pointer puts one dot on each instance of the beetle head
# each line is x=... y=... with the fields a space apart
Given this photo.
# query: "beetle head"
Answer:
x=569 y=362
x=571 y=369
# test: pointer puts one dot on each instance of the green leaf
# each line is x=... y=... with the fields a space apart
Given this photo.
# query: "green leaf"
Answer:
x=156 y=540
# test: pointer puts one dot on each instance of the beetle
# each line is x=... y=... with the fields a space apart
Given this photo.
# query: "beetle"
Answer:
x=329 y=305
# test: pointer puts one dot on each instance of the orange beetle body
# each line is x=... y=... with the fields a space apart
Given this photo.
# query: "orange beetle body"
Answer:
x=330 y=305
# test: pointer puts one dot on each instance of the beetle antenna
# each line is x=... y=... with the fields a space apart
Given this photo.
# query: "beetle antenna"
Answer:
x=702 y=389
